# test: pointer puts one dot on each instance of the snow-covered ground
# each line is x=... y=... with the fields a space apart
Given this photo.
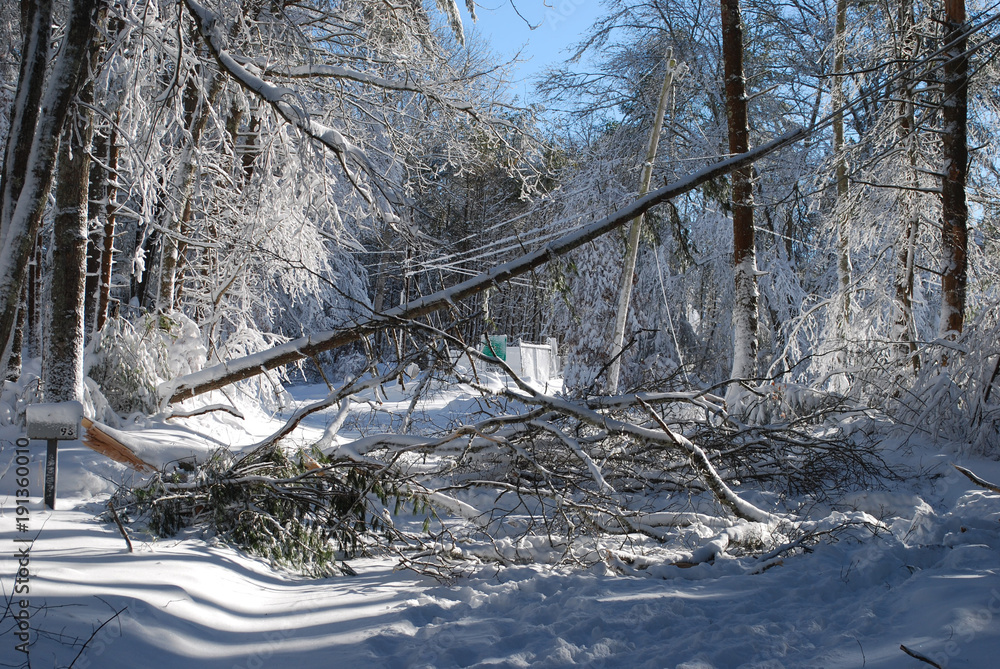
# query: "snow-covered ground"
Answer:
x=930 y=581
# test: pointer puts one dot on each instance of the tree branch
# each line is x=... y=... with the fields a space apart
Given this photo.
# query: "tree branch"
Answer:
x=982 y=483
x=275 y=96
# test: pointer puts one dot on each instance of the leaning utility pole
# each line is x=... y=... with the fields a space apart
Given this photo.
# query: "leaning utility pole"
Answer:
x=674 y=71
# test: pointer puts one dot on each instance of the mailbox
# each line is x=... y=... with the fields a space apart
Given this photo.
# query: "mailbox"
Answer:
x=53 y=422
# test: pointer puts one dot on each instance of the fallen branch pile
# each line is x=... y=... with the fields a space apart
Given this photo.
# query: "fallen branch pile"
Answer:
x=526 y=476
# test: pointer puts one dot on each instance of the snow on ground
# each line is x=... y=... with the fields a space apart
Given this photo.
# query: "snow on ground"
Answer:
x=932 y=583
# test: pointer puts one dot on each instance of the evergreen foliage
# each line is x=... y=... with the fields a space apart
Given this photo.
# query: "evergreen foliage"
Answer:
x=308 y=514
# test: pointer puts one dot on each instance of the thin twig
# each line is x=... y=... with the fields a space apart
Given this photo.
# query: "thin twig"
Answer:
x=922 y=658
x=121 y=528
x=84 y=647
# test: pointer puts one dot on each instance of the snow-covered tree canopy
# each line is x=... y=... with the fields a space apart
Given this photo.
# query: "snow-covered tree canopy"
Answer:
x=248 y=155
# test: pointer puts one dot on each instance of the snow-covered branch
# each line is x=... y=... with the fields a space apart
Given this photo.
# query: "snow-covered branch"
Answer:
x=318 y=70
x=278 y=98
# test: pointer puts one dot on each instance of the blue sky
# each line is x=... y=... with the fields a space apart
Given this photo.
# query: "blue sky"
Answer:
x=560 y=23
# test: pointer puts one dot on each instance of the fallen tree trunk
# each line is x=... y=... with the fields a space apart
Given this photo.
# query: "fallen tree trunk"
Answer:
x=219 y=376
x=107 y=445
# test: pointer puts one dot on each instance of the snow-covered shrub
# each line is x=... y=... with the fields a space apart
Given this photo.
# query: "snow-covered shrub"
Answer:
x=956 y=394
x=17 y=395
x=129 y=359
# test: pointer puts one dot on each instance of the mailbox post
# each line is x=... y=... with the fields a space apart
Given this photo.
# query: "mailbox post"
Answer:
x=53 y=422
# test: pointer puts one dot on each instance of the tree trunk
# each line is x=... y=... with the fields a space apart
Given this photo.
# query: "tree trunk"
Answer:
x=843 y=219
x=744 y=259
x=66 y=329
x=103 y=196
x=36 y=19
x=178 y=209
x=108 y=238
x=904 y=328
x=13 y=372
x=198 y=108
x=62 y=357
x=34 y=291
x=97 y=212
x=954 y=234
x=60 y=88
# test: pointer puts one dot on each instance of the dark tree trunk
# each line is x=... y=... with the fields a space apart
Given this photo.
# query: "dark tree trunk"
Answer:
x=103 y=194
x=96 y=215
x=954 y=213
x=66 y=331
x=108 y=238
x=13 y=372
x=744 y=259
x=36 y=19
x=33 y=290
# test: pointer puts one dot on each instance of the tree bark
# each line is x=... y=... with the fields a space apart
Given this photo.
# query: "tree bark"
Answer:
x=222 y=375
x=62 y=356
x=65 y=327
x=13 y=372
x=36 y=19
x=954 y=212
x=96 y=214
x=103 y=199
x=103 y=243
x=34 y=291
x=60 y=88
x=744 y=257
